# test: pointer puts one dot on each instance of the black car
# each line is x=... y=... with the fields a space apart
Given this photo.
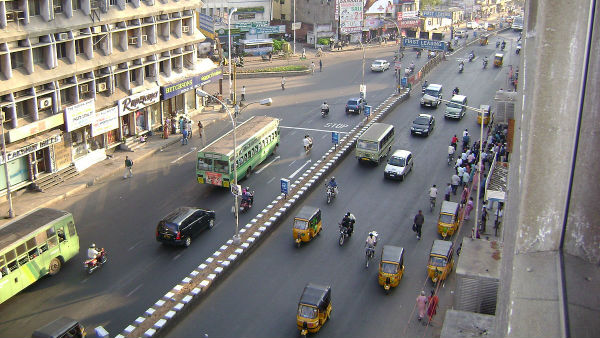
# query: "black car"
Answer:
x=182 y=224
x=422 y=125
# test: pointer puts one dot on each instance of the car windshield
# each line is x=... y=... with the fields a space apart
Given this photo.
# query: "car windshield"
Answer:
x=307 y=311
x=367 y=145
x=300 y=224
x=446 y=218
x=389 y=267
x=431 y=92
x=377 y=63
x=437 y=261
x=353 y=103
x=422 y=121
x=453 y=104
x=397 y=161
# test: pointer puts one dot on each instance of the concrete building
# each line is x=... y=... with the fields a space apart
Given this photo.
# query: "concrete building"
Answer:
x=81 y=77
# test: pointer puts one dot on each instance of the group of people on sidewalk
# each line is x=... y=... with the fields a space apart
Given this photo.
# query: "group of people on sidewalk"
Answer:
x=184 y=125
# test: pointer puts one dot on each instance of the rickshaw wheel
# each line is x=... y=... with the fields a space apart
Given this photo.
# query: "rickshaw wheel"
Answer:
x=297 y=244
x=387 y=291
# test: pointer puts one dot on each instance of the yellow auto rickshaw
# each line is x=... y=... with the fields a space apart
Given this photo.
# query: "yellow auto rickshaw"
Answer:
x=491 y=26
x=448 y=219
x=483 y=114
x=391 y=267
x=307 y=224
x=441 y=260
x=314 y=308
x=483 y=40
x=498 y=58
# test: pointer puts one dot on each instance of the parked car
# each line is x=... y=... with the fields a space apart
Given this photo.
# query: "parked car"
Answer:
x=182 y=224
x=461 y=33
x=399 y=165
x=355 y=105
x=472 y=25
x=380 y=66
x=422 y=125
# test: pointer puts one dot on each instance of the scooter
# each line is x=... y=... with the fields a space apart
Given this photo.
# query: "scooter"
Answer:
x=485 y=63
x=324 y=112
x=92 y=264
x=330 y=194
x=461 y=68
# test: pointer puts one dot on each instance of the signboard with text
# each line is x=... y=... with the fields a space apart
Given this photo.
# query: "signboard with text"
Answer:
x=436 y=14
x=105 y=121
x=424 y=44
x=139 y=101
x=79 y=115
x=351 y=16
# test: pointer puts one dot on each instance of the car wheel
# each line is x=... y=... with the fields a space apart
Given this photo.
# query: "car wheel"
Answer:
x=188 y=242
x=211 y=223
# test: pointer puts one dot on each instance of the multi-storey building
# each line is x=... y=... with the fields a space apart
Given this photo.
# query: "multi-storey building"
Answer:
x=80 y=77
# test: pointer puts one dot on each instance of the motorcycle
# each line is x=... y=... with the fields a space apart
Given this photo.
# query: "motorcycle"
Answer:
x=369 y=254
x=308 y=146
x=497 y=44
x=485 y=63
x=461 y=68
x=471 y=57
x=503 y=45
x=344 y=234
x=330 y=194
x=246 y=203
x=324 y=112
x=423 y=87
x=92 y=264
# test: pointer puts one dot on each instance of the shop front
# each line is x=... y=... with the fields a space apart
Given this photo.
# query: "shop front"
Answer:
x=105 y=127
x=139 y=113
x=78 y=120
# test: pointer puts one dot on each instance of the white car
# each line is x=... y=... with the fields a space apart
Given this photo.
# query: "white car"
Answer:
x=380 y=66
x=472 y=25
x=399 y=165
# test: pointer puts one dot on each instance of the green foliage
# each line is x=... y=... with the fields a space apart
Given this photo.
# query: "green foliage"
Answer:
x=429 y=4
x=323 y=41
x=277 y=45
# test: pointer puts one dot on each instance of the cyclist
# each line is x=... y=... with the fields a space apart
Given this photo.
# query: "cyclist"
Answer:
x=433 y=195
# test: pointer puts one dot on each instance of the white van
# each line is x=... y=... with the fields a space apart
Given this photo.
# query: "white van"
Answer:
x=456 y=107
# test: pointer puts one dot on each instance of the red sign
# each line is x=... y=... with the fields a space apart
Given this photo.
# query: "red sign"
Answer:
x=409 y=23
x=214 y=178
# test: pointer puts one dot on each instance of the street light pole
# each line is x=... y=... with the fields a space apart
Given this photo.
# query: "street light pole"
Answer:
x=233 y=10
x=11 y=213
x=266 y=102
x=294 y=26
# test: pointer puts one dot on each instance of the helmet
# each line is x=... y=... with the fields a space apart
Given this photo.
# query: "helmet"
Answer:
x=93 y=245
x=325 y=102
x=348 y=214
x=248 y=189
x=333 y=178
x=434 y=185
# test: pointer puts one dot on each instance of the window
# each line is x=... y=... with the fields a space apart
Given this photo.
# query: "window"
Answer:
x=282 y=16
x=66 y=97
x=58 y=6
x=38 y=56
x=79 y=49
x=112 y=2
x=61 y=50
x=75 y=4
x=132 y=76
x=149 y=71
x=71 y=227
x=61 y=234
x=34 y=7
x=16 y=60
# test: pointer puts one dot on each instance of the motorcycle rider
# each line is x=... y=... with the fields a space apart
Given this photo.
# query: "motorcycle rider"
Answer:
x=485 y=61
x=247 y=196
x=325 y=108
x=348 y=222
x=461 y=66
x=466 y=132
x=503 y=45
x=333 y=185
x=471 y=56
x=307 y=141
x=455 y=91
x=93 y=253
x=424 y=86
x=454 y=141
x=412 y=67
x=371 y=241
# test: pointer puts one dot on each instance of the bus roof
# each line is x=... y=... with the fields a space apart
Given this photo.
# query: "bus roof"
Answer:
x=375 y=132
x=244 y=131
x=16 y=230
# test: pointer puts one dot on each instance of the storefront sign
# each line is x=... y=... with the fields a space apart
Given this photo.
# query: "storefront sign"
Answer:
x=138 y=101
x=351 y=16
x=409 y=23
x=105 y=121
x=436 y=14
x=177 y=88
x=30 y=148
x=33 y=128
x=79 y=115
x=215 y=74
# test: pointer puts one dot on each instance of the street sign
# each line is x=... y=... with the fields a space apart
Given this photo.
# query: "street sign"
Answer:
x=436 y=14
x=236 y=189
x=367 y=110
x=335 y=137
x=424 y=44
x=296 y=25
x=285 y=184
x=404 y=81
x=267 y=30
x=253 y=24
x=397 y=65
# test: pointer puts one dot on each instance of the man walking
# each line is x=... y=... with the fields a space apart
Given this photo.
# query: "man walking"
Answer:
x=448 y=192
x=455 y=181
x=421 y=305
x=128 y=167
x=283 y=83
x=184 y=137
x=200 y=129
x=243 y=93
x=320 y=65
x=418 y=223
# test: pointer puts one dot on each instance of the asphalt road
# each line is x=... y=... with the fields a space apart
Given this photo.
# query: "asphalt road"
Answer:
x=260 y=298
x=121 y=215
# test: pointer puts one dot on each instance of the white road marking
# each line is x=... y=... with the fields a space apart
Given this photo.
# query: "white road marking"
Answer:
x=297 y=171
x=268 y=164
x=178 y=255
x=311 y=129
x=184 y=155
x=134 y=290
x=294 y=161
x=271 y=180
x=133 y=246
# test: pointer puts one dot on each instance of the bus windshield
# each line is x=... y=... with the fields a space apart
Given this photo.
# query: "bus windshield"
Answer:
x=367 y=145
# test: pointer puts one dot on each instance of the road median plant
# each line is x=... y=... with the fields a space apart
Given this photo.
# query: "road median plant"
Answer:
x=290 y=68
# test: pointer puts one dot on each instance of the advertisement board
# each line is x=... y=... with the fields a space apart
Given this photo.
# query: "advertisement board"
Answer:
x=351 y=16
x=79 y=115
x=105 y=121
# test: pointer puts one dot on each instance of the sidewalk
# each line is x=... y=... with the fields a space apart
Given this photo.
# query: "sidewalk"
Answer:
x=26 y=200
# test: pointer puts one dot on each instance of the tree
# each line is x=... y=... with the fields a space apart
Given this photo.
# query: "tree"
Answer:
x=428 y=4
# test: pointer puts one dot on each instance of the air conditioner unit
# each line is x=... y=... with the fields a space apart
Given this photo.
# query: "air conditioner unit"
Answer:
x=44 y=102
x=58 y=9
x=63 y=36
x=133 y=40
x=11 y=16
x=100 y=87
x=96 y=29
x=186 y=29
x=84 y=88
x=144 y=37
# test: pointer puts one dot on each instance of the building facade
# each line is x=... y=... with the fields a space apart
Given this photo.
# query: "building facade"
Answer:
x=80 y=77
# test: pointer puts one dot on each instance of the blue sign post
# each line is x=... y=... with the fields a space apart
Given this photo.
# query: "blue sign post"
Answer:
x=404 y=82
x=335 y=138
x=367 y=110
x=425 y=44
x=285 y=186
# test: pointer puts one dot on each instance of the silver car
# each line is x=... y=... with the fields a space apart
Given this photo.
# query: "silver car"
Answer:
x=380 y=66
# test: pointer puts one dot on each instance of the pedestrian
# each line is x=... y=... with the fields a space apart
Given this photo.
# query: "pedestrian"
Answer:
x=188 y=127
x=200 y=129
x=448 y=192
x=421 y=305
x=283 y=83
x=166 y=127
x=418 y=223
x=312 y=67
x=184 y=137
x=173 y=125
x=270 y=56
x=484 y=214
x=460 y=171
x=181 y=124
x=469 y=208
x=243 y=93
x=320 y=65
x=463 y=196
x=465 y=179
x=433 y=303
x=455 y=181
x=128 y=167
x=459 y=162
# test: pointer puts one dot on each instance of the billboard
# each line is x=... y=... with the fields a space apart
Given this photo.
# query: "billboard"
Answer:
x=424 y=44
x=351 y=16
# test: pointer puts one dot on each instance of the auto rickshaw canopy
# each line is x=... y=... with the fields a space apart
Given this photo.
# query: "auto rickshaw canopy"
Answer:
x=308 y=212
x=441 y=248
x=449 y=208
x=394 y=254
x=483 y=40
x=316 y=295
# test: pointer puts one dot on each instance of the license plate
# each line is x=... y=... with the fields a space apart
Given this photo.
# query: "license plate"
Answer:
x=166 y=236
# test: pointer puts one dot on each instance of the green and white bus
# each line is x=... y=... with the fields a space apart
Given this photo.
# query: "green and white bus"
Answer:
x=375 y=143
x=257 y=138
x=33 y=246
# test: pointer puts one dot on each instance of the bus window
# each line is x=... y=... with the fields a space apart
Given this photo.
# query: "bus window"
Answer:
x=21 y=249
x=71 y=227
x=50 y=232
x=12 y=266
x=52 y=242
x=32 y=249
x=40 y=240
x=61 y=234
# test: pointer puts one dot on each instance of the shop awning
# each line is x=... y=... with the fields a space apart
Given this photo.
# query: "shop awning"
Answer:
x=31 y=145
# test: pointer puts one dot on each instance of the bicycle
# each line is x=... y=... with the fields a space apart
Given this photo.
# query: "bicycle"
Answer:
x=370 y=253
x=431 y=203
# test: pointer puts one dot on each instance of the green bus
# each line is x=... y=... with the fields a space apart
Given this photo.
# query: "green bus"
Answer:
x=33 y=246
x=257 y=138
x=375 y=143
